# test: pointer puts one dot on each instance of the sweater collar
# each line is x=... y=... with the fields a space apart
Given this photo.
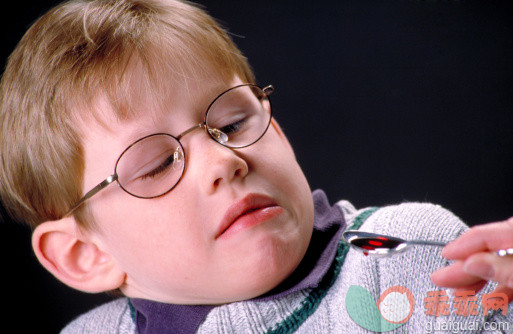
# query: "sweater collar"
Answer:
x=329 y=223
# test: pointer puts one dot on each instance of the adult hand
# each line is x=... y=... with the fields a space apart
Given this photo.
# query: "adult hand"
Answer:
x=477 y=261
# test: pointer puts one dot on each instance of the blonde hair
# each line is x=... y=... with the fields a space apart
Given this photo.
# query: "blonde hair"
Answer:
x=72 y=54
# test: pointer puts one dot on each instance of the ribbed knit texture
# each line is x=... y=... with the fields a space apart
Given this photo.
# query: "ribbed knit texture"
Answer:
x=410 y=269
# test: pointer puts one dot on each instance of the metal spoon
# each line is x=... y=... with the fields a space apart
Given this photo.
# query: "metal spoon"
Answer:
x=379 y=245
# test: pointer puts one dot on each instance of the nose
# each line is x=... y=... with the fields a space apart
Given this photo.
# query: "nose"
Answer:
x=214 y=165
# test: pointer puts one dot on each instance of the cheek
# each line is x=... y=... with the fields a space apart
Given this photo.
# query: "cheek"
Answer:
x=281 y=169
x=273 y=158
x=147 y=237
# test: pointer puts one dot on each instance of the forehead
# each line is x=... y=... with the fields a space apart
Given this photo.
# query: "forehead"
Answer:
x=177 y=104
x=143 y=89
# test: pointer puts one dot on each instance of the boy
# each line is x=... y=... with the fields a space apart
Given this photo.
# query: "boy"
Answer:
x=213 y=226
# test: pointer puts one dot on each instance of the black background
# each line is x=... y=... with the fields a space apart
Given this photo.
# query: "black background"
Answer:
x=383 y=101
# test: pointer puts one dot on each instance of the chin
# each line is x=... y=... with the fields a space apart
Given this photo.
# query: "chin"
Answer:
x=272 y=264
x=264 y=257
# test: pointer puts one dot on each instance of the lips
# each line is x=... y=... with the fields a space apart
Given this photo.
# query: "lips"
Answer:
x=249 y=211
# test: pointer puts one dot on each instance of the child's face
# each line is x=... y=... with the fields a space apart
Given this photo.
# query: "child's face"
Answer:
x=169 y=247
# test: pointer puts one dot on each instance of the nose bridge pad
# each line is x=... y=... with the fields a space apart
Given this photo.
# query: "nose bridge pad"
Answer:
x=178 y=158
x=218 y=135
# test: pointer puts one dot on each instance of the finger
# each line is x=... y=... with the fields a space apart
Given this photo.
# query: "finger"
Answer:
x=481 y=238
x=454 y=276
x=473 y=287
x=504 y=289
x=491 y=267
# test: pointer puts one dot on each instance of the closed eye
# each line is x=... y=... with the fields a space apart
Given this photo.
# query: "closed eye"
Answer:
x=160 y=168
x=234 y=127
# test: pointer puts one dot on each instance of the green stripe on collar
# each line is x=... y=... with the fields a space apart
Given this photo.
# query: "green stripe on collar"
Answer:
x=315 y=297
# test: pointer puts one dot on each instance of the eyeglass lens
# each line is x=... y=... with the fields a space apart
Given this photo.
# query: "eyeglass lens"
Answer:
x=153 y=165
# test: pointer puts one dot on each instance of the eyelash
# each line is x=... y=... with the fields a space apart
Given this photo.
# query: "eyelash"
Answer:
x=233 y=127
x=160 y=169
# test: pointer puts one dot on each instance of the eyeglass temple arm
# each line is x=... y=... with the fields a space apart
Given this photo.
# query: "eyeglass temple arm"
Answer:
x=268 y=90
x=92 y=192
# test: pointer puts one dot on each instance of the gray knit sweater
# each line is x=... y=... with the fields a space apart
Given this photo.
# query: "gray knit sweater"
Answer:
x=324 y=309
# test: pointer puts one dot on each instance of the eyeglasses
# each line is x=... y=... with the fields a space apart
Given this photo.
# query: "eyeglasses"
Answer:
x=153 y=165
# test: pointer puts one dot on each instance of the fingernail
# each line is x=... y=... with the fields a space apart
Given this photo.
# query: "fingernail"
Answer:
x=480 y=269
x=447 y=248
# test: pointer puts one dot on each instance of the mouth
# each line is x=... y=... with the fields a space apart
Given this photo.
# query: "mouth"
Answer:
x=249 y=211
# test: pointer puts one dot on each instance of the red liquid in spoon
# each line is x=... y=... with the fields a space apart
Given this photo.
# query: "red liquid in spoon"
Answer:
x=376 y=242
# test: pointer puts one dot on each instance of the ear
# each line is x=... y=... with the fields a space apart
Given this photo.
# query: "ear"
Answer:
x=280 y=132
x=73 y=259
